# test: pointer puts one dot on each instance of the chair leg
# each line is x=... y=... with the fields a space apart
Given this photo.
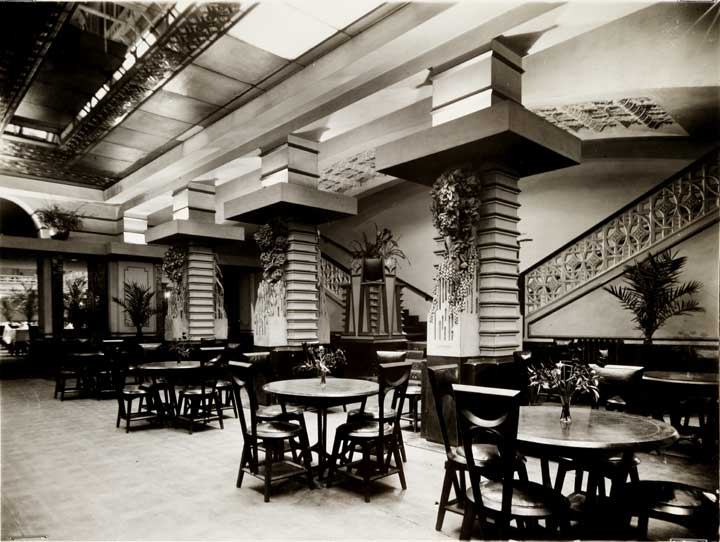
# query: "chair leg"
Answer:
x=366 y=471
x=402 y=443
x=401 y=471
x=128 y=412
x=243 y=461
x=468 y=521
x=333 y=461
x=305 y=452
x=444 y=496
x=268 y=469
x=218 y=407
x=579 y=475
x=560 y=476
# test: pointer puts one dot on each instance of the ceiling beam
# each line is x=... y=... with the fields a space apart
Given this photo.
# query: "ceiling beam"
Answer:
x=416 y=37
x=26 y=38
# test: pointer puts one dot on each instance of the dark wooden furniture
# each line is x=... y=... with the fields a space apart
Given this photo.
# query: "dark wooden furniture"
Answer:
x=273 y=432
x=161 y=379
x=683 y=394
x=594 y=437
x=126 y=396
x=310 y=392
x=682 y=504
x=377 y=438
x=489 y=416
x=440 y=379
x=372 y=413
x=200 y=400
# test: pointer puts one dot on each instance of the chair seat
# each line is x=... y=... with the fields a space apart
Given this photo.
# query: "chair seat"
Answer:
x=365 y=429
x=273 y=411
x=413 y=391
x=672 y=498
x=197 y=390
x=370 y=413
x=68 y=372
x=223 y=385
x=529 y=499
x=277 y=430
x=133 y=390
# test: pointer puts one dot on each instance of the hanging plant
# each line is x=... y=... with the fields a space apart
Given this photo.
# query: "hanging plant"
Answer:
x=272 y=239
x=174 y=263
x=455 y=211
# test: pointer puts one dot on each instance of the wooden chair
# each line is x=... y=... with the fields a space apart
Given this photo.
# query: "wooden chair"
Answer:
x=127 y=394
x=378 y=435
x=490 y=416
x=692 y=507
x=373 y=413
x=201 y=401
x=273 y=432
x=441 y=378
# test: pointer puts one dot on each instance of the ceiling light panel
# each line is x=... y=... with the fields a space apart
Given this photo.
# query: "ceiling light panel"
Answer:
x=334 y=13
x=281 y=29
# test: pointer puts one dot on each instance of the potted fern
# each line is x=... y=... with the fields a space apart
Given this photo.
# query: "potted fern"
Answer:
x=376 y=254
x=654 y=293
x=138 y=304
x=58 y=221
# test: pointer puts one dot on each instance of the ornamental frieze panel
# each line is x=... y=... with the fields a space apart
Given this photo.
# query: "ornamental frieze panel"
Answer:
x=184 y=40
x=671 y=207
x=349 y=173
x=623 y=117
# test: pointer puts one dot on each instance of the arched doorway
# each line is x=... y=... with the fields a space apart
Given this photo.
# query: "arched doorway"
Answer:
x=15 y=221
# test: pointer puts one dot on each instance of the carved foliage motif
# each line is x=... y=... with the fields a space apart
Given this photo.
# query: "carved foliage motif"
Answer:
x=350 y=173
x=670 y=208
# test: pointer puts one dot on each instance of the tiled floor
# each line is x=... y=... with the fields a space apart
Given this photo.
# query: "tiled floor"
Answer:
x=68 y=473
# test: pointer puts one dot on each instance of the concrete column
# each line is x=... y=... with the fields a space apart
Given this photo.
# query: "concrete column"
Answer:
x=200 y=291
x=301 y=284
x=133 y=229
x=497 y=284
x=295 y=161
x=196 y=202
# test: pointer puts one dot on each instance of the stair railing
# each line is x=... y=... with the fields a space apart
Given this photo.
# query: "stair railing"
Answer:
x=683 y=200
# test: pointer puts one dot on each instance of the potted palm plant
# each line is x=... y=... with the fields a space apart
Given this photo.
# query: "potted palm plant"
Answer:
x=653 y=292
x=58 y=221
x=138 y=304
x=376 y=254
x=75 y=301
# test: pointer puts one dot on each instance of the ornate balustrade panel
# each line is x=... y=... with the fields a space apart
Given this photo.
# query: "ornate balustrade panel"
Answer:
x=333 y=278
x=671 y=207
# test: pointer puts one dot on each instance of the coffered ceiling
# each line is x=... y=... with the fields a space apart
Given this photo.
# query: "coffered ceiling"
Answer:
x=134 y=98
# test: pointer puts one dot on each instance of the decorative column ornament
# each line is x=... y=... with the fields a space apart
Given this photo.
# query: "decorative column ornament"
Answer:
x=270 y=310
x=175 y=268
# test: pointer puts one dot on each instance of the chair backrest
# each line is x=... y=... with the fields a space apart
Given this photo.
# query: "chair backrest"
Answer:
x=243 y=375
x=489 y=416
x=441 y=379
x=392 y=377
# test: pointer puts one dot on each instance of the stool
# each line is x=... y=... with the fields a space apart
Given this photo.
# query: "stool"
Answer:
x=61 y=378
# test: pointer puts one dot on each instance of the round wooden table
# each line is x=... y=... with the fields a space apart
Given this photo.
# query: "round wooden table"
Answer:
x=169 y=366
x=671 y=389
x=310 y=392
x=593 y=435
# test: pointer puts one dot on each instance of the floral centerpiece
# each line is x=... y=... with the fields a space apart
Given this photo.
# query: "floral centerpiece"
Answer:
x=322 y=360
x=565 y=379
x=455 y=211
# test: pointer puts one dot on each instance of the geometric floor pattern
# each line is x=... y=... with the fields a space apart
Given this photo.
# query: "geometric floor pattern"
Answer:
x=69 y=474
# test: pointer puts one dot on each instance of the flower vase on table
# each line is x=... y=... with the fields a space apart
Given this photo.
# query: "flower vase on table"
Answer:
x=322 y=360
x=564 y=379
x=323 y=378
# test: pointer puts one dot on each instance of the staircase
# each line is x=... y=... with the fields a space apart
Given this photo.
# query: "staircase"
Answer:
x=673 y=211
x=335 y=278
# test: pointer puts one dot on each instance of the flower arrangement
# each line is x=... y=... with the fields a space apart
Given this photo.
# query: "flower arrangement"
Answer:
x=181 y=347
x=321 y=359
x=272 y=239
x=59 y=221
x=455 y=209
x=564 y=378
